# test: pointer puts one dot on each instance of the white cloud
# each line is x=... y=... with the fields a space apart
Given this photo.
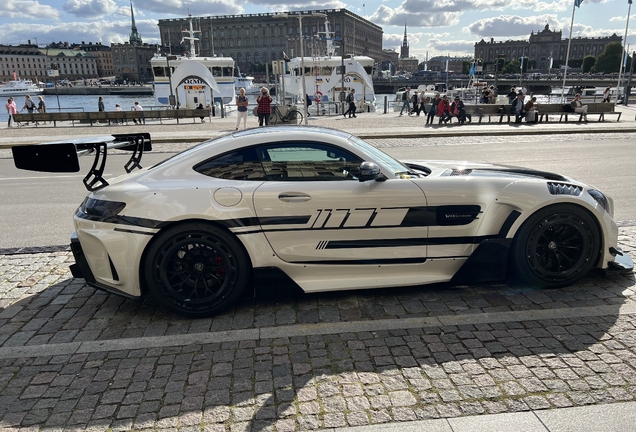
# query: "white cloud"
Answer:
x=399 y=16
x=296 y=5
x=103 y=31
x=454 y=47
x=512 y=25
x=28 y=9
x=90 y=8
x=181 y=8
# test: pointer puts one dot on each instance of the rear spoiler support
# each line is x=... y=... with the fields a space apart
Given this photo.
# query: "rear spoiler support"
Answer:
x=64 y=156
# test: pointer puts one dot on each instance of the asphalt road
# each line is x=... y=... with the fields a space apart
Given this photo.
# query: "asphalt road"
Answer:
x=36 y=209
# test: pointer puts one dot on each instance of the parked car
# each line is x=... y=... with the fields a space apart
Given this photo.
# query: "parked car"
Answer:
x=329 y=211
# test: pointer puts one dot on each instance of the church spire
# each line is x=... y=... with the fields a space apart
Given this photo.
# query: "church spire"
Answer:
x=135 y=37
x=404 y=51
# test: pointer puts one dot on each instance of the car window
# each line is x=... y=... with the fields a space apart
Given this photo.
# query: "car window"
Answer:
x=242 y=164
x=308 y=161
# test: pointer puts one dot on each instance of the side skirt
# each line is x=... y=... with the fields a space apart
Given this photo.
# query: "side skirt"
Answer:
x=488 y=263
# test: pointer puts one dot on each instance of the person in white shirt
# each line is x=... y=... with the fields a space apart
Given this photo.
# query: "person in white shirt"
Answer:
x=137 y=107
x=579 y=107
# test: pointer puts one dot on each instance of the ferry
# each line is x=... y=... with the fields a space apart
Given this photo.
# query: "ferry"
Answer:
x=19 y=87
x=195 y=80
x=323 y=77
x=247 y=82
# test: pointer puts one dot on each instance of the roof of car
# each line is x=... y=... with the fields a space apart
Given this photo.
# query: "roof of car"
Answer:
x=292 y=129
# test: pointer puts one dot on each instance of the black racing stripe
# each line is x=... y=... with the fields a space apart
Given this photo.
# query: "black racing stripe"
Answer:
x=510 y=220
x=423 y=241
x=133 y=231
x=123 y=220
x=439 y=241
x=239 y=222
x=419 y=216
x=365 y=262
x=284 y=220
x=356 y=244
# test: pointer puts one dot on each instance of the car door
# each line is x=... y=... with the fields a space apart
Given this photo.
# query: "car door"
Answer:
x=313 y=209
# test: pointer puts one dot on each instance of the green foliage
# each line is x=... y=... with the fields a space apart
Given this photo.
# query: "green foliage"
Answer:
x=610 y=60
x=588 y=62
x=466 y=67
x=512 y=68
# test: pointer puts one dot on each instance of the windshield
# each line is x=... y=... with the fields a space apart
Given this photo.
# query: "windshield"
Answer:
x=380 y=157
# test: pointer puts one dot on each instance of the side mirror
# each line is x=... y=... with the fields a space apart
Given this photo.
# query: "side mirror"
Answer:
x=369 y=171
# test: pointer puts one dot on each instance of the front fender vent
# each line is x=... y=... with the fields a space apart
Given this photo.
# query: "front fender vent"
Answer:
x=459 y=172
x=564 y=189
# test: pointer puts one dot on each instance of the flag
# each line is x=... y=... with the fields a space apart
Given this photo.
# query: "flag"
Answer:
x=447 y=64
x=521 y=64
x=15 y=78
x=472 y=69
x=551 y=62
x=625 y=60
x=577 y=3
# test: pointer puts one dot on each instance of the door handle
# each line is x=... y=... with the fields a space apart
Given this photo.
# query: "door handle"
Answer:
x=294 y=197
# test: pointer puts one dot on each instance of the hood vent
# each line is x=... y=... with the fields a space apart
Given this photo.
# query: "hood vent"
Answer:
x=457 y=172
x=564 y=189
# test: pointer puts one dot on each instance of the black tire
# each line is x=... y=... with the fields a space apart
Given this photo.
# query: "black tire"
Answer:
x=555 y=247
x=196 y=269
x=274 y=118
x=297 y=118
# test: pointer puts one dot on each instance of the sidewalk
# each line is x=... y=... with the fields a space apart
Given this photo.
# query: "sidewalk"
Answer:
x=437 y=358
x=366 y=125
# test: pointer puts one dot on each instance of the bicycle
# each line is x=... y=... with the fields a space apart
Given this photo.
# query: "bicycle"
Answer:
x=293 y=116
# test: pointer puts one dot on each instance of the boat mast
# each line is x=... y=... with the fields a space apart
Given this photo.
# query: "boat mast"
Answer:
x=191 y=37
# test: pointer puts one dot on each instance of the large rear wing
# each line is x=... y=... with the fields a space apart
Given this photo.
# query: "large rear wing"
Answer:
x=63 y=156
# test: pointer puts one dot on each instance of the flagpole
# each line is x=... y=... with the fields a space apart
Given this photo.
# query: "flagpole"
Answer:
x=623 y=52
x=567 y=54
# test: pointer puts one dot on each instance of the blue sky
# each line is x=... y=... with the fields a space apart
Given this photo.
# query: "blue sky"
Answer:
x=434 y=26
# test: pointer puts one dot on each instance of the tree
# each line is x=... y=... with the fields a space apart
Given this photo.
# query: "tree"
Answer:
x=512 y=68
x=466 y=67
x=588 y=62
x=610 y=60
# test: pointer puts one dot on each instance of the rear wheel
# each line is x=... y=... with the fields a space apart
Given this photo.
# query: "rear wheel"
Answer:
x=196 y=269
x=556 y=246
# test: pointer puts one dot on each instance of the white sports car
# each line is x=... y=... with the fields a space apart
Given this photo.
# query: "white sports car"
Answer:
x=329 y=211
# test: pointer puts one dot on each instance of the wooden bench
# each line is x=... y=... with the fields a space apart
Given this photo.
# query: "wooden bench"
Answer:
x=598 y=108
x=91 y=117
x=489 y=110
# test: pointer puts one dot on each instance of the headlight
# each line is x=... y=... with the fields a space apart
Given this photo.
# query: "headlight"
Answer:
x=101 y=208
x=603 y=201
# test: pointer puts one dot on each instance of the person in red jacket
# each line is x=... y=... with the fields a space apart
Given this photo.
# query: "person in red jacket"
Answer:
x=443 y=110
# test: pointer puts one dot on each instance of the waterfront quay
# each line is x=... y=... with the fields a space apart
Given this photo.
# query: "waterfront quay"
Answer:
x=437 y=358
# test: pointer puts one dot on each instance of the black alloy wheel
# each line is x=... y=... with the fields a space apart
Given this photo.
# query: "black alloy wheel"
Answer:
x=196 y=269
x=556 y=246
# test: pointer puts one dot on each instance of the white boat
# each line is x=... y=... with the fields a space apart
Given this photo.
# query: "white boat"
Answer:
x=19 y=88
x=193 y=80
x=323 y=77
x=246 y=82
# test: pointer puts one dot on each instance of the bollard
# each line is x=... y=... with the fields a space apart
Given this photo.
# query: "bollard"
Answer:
x=385 y=104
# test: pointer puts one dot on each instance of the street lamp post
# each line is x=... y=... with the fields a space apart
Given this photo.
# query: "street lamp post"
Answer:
x=168 y=58
x=300 y=17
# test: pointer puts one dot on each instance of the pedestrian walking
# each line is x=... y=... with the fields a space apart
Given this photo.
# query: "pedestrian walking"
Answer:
x=11 y=109
x=351 y=100
x=100 y=107
x=137 y=107
x=406 y=100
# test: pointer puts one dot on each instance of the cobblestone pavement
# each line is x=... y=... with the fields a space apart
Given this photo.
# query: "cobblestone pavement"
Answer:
x=72 y=358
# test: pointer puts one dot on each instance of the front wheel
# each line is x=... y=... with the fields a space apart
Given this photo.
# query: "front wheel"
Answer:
x=556 y=246
x=196 y=269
